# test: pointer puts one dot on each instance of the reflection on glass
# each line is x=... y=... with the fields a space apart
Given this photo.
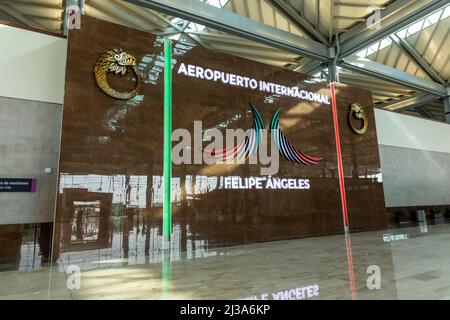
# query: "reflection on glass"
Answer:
x=422 y=220
x=25 y=247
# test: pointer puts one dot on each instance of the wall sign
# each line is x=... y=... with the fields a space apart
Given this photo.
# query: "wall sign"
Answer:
x=266 y=183
x=17 y=185
x=232 y=79
x=357 y=112
x=285 y=148
x=118 y=62
x=251 y=143
x=211 y=92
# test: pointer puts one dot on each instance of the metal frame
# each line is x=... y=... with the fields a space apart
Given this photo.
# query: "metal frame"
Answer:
x=19 y=16
x=311 y=67
x=406 y=103
x=374 y=69
x=297 y=19
x=417 y=58
x=447 y=109
x=217 y=18
x=333 y=74
x=424 y=112
x=394 y=17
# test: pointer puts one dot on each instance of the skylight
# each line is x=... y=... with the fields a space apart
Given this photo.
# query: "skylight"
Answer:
x=217 y=3
x=412 y=29
x=192 y=26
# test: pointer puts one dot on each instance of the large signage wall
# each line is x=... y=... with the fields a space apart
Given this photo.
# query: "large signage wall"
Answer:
x=112 y=150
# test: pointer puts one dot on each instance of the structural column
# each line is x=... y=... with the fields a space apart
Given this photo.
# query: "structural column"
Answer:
x=333 y=75
x=447 y=109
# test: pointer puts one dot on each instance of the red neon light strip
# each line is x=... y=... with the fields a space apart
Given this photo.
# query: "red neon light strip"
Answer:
x=348 y=243
x=339 y=156
x=351 y=272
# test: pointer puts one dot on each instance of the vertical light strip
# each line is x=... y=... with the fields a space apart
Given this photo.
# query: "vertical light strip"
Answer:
x=348 y=243
x=167 y=202
x=166 y=275
x=351 y=270
x=339 y=158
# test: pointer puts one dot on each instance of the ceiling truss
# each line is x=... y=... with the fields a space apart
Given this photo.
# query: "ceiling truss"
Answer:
x=307 y=36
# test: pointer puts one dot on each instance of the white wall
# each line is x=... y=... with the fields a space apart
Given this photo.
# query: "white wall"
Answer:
x=29 y=143
x=399 y=130
x=32 y=65
x=32 y=77
x=415 y=160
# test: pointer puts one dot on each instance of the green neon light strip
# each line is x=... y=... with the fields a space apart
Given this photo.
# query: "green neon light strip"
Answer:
x=167 y=204
x=166 y=276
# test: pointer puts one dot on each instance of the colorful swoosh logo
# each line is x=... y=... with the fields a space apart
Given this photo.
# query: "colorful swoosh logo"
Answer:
x=286 y=149
x=248 y=146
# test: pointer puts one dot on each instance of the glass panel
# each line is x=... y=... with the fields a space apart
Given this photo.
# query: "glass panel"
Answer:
x=236 y=233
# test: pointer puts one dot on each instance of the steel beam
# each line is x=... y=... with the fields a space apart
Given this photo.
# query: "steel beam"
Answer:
x=374 y=69
x=394 y=17
x=6 y=16
x=447 y=109
x=424 y=112
x=311 y=67
x=410 y=102
x=288 y=11
x=417 y=58
x=21 y=17
x=333 y=74
x=222 y=20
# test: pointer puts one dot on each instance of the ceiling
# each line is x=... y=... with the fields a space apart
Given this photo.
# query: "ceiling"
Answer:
x=323 y=19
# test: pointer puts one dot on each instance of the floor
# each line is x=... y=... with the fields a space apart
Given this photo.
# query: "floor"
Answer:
x=412 y=263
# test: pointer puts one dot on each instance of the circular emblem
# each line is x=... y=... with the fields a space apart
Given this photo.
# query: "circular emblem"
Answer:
x=118 y=62
x=357 y=112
